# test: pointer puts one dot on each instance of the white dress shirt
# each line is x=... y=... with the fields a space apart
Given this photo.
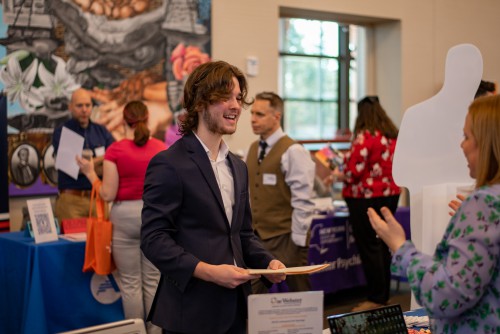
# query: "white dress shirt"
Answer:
x=224 y=177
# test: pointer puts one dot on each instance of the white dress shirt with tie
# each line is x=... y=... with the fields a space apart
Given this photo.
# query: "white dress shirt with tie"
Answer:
x=299 y=171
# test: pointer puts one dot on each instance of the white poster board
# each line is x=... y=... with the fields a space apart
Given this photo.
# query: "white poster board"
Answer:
x=435 y=211
x=42 y=220
x=428 y=152
x=283 y=313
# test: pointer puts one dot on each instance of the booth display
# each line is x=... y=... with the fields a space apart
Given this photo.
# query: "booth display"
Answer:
x=332 y=242
x=45 y=291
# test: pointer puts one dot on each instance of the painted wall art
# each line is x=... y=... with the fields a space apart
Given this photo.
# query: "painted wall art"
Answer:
x=119 y=50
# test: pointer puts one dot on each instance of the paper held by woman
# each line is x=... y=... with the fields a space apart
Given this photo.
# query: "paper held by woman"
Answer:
x=290 y=271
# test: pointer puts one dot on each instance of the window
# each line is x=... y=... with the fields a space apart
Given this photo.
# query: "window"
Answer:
x=319 y=79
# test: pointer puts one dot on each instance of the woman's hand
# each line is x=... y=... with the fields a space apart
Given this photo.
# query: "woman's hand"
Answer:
x=390 y=231
x=454 y=204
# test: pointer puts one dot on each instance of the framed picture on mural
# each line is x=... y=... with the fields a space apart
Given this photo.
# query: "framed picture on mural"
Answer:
x=24 y=165
x=49 y=165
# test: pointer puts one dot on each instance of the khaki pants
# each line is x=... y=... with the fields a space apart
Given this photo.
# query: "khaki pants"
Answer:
x=71 y=206
x=138 y=277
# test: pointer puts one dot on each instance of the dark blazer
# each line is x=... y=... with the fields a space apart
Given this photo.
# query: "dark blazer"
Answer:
x=184 y=222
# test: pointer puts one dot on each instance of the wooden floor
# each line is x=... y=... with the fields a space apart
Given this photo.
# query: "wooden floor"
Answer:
x=344 y=301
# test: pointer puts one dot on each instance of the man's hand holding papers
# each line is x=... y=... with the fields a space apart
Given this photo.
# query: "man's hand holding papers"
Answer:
x=288 y=271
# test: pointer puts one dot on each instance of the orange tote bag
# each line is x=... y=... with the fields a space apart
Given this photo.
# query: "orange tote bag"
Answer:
x=98 y=255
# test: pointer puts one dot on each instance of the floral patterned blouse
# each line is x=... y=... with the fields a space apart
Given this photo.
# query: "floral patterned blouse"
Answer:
x=459 y=285
x=368 y=167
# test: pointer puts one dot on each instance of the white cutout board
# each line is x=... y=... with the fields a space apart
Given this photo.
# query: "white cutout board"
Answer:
x=428 y=154
x=435 y=212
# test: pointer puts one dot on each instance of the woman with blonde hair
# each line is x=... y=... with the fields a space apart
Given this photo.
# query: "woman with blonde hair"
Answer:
x=124 y=170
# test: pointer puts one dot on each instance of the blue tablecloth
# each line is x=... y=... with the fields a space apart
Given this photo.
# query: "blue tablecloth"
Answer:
x=419 y=312
x=45 y=291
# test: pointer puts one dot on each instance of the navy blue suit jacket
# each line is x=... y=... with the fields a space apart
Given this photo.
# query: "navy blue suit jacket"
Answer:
x=184 y=222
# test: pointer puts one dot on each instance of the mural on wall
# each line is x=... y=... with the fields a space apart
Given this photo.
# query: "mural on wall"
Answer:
x=4 y=188
x=119 y=50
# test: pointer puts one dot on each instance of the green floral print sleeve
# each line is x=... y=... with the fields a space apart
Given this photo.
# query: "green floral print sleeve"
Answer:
x=459 y=285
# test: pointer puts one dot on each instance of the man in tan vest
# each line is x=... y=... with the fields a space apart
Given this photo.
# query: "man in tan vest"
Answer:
x=281 y=179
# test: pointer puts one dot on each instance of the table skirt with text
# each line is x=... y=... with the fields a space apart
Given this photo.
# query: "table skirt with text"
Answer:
x=332 y=242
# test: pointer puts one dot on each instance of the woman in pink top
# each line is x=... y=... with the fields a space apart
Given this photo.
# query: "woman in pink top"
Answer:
x=124 y=170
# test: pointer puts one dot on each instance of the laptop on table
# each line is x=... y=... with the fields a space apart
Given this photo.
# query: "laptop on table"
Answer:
x=383 y=320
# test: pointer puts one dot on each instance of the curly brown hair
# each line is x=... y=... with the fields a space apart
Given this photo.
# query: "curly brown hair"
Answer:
x=209 y=83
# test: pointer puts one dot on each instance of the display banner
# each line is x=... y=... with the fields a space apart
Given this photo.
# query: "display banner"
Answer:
x=332 y=242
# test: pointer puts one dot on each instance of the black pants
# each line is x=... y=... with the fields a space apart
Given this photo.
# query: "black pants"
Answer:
x=374 y=253
x=239 y=325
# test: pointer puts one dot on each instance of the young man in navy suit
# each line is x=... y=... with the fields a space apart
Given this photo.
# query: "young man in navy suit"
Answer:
x=196 y=220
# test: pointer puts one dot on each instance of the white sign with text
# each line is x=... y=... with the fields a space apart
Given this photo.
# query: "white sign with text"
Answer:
x=42 y=220
x=284 y=313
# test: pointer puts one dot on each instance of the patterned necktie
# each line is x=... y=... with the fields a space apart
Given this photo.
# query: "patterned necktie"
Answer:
x=262 y=153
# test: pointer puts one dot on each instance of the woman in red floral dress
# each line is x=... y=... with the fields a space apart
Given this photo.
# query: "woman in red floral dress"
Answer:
x=368 y=182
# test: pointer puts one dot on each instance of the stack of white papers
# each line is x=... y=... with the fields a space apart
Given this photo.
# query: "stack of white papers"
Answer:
x=322 y=204
x=416 y=321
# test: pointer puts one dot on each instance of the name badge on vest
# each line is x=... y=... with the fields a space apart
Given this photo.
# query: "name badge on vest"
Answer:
x=269 y=179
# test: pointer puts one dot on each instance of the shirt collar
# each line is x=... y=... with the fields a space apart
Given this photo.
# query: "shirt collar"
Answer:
x=223 y=149
x=77 y=124
x=273 y=139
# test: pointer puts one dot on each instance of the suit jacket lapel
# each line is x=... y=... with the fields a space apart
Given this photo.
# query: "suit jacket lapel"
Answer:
x=200 y=158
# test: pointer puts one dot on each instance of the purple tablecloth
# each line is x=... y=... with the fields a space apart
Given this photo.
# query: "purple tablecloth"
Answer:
x=332 y=242
x=402 y=215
